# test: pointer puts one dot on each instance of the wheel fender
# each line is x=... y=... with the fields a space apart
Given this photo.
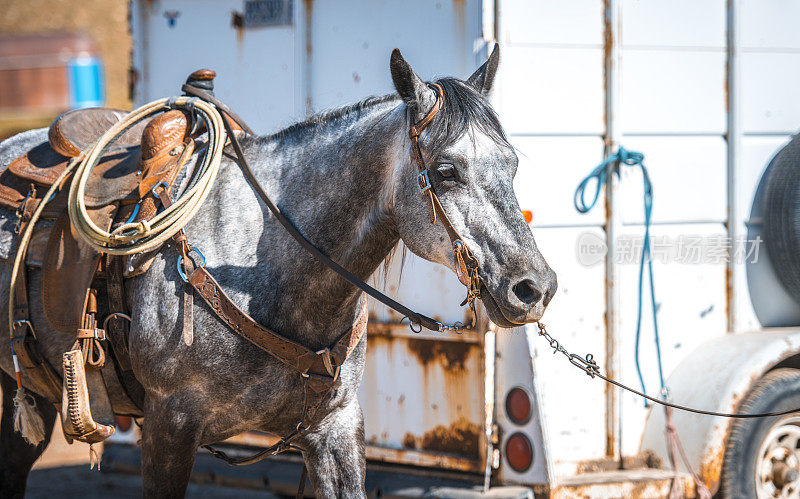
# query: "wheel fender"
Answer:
x=716 y=377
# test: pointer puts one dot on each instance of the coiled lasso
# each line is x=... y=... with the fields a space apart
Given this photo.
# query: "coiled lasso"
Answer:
x=144 y=236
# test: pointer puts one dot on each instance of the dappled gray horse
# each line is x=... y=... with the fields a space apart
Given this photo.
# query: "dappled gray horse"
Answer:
x=347 y=180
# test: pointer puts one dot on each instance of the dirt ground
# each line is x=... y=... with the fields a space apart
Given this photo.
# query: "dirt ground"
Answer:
x=63 y=471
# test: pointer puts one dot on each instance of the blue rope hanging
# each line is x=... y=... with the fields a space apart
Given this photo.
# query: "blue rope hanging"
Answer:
x=599 y=175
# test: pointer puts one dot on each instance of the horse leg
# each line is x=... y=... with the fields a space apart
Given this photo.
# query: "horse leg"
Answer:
x=16 y=455
x=169 y=443
x=335 y=456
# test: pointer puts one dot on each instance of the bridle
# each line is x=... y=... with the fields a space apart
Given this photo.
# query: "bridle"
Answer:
x=466 y=264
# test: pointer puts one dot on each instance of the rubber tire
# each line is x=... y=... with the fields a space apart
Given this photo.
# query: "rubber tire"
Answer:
x=777 y=390
x=782 y=216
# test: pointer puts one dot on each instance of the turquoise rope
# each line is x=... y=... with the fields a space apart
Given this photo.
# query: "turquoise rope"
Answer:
x=599 y=175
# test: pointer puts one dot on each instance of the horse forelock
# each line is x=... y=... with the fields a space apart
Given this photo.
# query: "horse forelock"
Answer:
x=463 y=108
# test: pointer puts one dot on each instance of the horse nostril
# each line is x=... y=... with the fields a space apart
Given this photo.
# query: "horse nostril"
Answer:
x=527 y=292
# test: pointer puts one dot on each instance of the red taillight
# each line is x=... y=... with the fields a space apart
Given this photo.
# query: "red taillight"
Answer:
x=528 y=214
x=518 y=406
x=124 y=423
x=519 y=452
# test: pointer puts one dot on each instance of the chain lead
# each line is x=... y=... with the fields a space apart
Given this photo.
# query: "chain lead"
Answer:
x=587 y=365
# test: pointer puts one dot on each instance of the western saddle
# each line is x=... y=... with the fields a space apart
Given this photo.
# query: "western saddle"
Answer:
x=80 y=285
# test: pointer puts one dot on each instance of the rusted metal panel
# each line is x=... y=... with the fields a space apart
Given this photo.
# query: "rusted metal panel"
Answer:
x=612 y=76
x=634 y=484
x=727 y=366
x=425 y=396
x=374 y=453
x=258 y=70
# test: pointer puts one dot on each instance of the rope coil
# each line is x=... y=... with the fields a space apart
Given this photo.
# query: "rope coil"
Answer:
x=138 y=237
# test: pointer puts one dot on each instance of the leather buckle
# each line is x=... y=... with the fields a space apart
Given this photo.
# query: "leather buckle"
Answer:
x=160 y=184
x=23 y=323
x=188 y=254
x=327 y=361
x=424 y=181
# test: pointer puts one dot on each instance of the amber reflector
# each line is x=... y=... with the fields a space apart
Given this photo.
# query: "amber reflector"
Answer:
x=519 y=452
x=124 y=423
x=528 y=214
x=518 y=406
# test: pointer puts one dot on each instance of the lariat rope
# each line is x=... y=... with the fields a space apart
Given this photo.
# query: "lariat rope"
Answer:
x=144 y=236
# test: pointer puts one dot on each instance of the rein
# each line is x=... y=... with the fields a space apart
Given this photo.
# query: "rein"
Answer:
x=466 y=263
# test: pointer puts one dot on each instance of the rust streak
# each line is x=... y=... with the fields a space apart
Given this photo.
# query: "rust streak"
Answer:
x=237 y=22
x=452 y=355
x=460 y=438
x=711 y=467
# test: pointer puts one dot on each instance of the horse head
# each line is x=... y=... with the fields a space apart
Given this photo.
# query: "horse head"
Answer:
x=470 y=166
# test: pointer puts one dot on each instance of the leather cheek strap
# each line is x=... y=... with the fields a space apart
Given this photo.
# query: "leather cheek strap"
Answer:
x=465 y=262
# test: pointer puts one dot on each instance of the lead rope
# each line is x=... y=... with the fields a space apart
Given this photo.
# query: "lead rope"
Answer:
x=589 y=366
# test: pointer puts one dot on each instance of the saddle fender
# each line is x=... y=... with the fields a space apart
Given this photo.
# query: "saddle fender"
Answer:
x=717 y=376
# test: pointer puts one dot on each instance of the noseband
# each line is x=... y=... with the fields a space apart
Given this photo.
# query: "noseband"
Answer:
x=465 y=263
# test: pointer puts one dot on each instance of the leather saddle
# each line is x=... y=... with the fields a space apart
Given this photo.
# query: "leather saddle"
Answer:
x=75 y=277
x=113 y=188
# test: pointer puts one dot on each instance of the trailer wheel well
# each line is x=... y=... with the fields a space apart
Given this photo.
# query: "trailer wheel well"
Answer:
x=792 y=362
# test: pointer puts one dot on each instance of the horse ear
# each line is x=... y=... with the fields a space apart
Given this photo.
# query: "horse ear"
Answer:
x=414 y=92
x=483 y=78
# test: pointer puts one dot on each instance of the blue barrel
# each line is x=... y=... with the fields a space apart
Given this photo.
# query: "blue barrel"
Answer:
x=86 y=85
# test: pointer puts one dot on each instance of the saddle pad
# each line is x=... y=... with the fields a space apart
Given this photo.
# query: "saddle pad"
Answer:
x=67 y=271
x=113 y=179
x=75 y=131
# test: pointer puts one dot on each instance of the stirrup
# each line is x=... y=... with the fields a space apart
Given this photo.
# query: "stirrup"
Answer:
x=76 y=413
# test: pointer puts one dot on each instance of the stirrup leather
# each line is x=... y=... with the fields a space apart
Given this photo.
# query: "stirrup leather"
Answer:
x=76 y=413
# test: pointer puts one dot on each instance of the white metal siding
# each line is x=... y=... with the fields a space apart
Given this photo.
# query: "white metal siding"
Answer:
x=551 y=101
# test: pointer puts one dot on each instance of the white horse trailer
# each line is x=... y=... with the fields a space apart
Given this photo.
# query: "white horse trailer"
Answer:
x=706 y=90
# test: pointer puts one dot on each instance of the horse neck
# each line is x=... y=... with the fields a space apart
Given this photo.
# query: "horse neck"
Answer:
x=337 y=190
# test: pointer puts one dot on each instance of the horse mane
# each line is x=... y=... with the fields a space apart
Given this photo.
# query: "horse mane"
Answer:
x=463 y=108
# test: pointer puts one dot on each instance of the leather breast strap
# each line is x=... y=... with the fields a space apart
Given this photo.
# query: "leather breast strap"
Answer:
x=319 y=370
x=325 y=363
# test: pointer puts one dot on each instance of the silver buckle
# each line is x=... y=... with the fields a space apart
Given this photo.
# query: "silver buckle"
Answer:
x=99 y=334
x=423 y=181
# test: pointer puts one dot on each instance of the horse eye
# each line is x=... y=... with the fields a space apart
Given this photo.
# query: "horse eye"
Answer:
x=447 y=170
